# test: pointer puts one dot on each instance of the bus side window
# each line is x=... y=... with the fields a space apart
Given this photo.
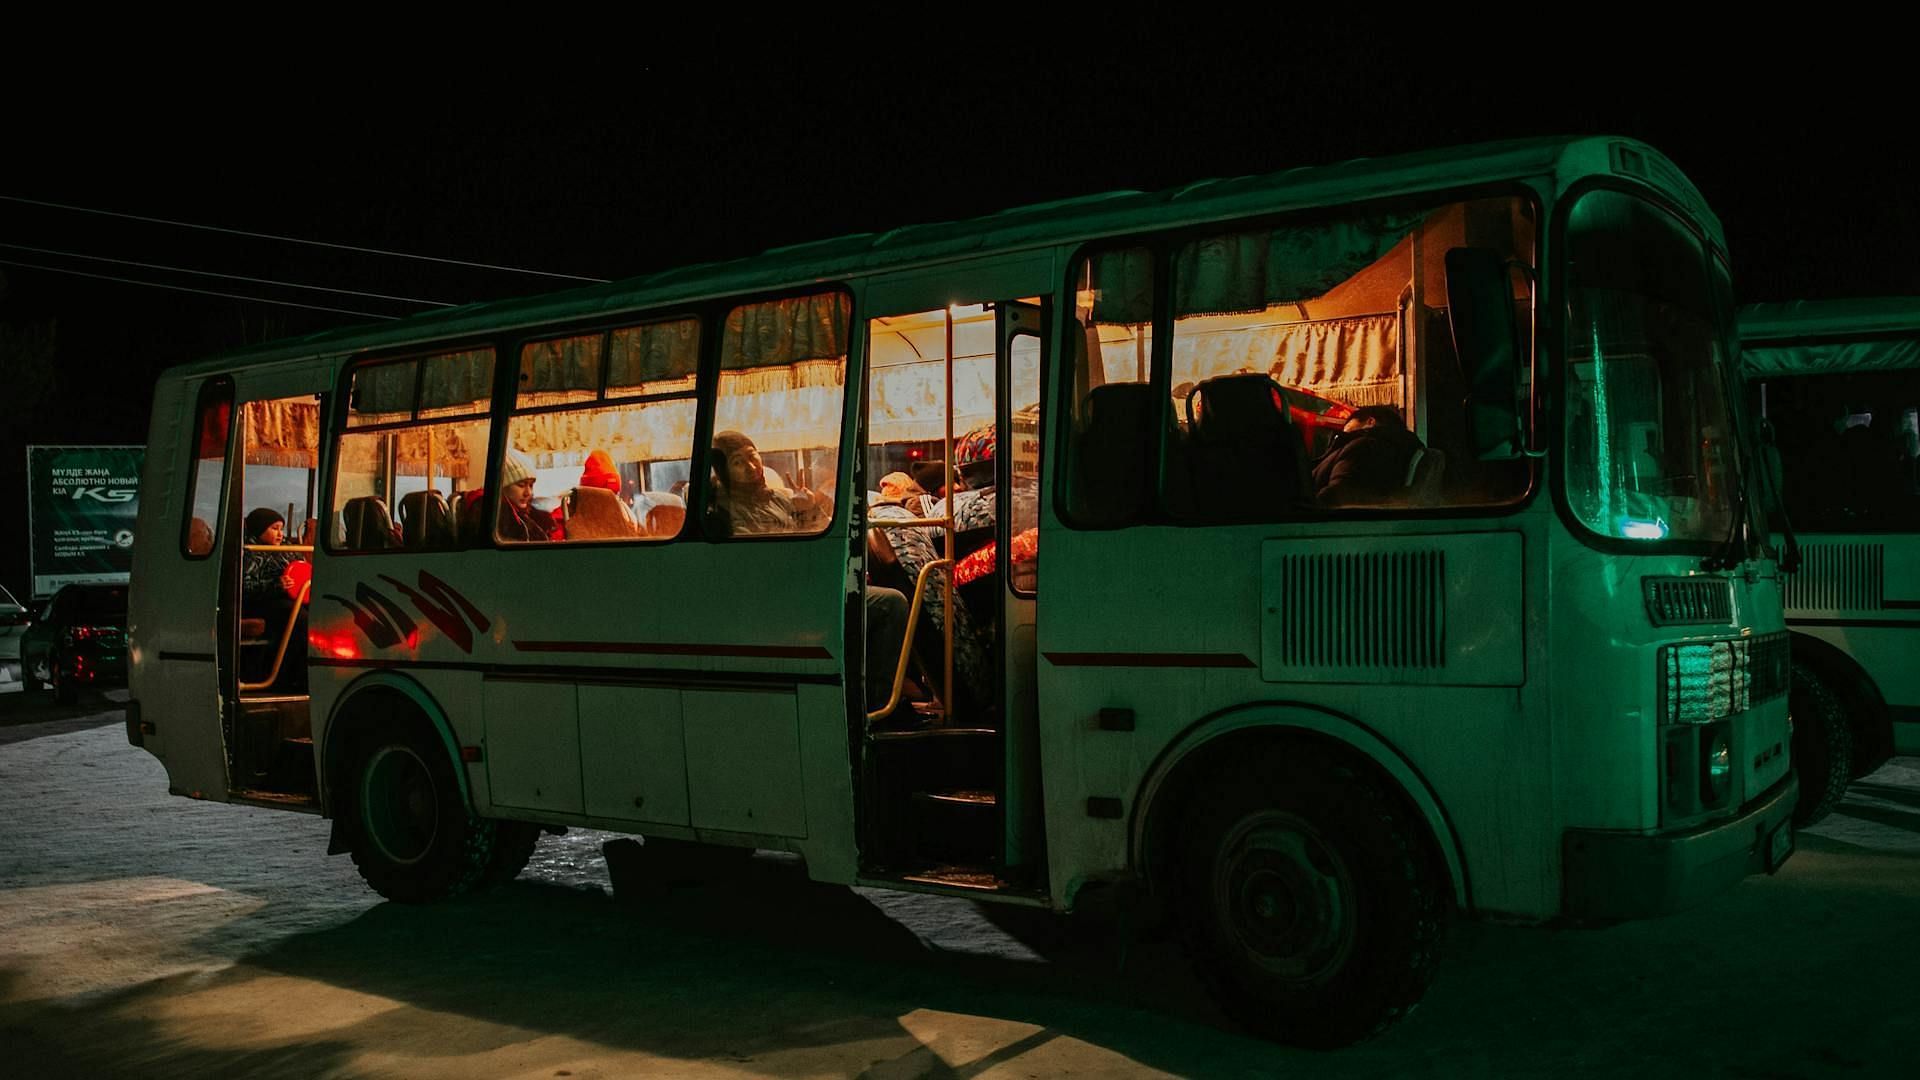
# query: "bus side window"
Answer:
x=605 y=423
x=416 y=439
x=775 y=454
x=1110 y=459
x=205 y=482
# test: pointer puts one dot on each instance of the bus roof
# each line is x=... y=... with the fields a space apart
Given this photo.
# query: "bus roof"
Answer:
x=1037 y=226
x=1807 y=337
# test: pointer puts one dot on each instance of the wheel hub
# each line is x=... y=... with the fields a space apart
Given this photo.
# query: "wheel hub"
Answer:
x=1286 y=897
x=399 y=804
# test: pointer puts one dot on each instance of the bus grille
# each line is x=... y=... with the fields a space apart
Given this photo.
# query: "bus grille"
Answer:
x=1684 y=601
x=1369 y=610
x=1708 y=681
x=1837 y=577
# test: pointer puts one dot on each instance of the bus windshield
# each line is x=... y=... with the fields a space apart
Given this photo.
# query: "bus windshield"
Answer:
x=1651 y=444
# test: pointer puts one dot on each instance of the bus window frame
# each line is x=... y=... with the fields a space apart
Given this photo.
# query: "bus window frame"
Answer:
x=508 y=341
x=1553 y=372
x=337 y=428
x=1864 y=528
x=192 y=487
x=698 y=481
x=605 y=328
x=1164 y=242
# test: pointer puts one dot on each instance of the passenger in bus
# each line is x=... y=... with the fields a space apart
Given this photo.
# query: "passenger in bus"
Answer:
x=932 y=477
x=886 y=635
x=270 y=588
x=902 y=490
x=1368 y=460
x=749 y=503
x=973 y=502
x=517 y=520
x=914 y=548
x=266 y=576
x=595 y=510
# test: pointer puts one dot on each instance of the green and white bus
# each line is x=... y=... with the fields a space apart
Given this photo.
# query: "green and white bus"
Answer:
x=1527 y=660
x=1838 y=384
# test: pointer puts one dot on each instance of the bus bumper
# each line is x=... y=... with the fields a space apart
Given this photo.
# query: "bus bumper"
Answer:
x=1613 y=875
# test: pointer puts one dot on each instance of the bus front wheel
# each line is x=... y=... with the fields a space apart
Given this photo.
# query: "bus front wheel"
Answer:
x=1310 y=900
x=1822 y=745
x=415 y=839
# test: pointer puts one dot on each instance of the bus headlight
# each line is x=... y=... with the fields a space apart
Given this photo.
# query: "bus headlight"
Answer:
x=1716 y=766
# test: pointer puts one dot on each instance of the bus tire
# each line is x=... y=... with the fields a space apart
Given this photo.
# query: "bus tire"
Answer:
x=415 y=839
x=513 y=843
x=1822 y=745
x=1310 y=900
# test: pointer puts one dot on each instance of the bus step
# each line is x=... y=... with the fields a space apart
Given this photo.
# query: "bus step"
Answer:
x=967 y=798
x=961 y=826
x=959 y=877
x=286 y=799
x=934 y=734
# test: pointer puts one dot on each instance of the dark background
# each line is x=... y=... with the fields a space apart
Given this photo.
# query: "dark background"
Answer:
x=591 y=158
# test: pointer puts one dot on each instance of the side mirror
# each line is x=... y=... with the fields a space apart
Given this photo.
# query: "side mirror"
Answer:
x=1486 y=339
x=1773 y=477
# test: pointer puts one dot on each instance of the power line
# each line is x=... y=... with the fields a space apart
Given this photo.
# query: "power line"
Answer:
x=298 y=240
x=187 y=289
x=229 y=277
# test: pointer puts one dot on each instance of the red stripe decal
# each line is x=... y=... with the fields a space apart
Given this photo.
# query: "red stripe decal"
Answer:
x=1148 y=659
x=675 y=648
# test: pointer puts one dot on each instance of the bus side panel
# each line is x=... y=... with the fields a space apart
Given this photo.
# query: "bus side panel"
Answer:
x=615 y=686
x=1182 y=641
x=171 y=611
x=1860 y=593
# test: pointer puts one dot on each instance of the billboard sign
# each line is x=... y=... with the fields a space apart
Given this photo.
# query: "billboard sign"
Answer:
x=81 y=505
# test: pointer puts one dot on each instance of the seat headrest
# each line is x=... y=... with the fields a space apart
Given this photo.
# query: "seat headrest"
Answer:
x=1233 y=403
x=369 y=523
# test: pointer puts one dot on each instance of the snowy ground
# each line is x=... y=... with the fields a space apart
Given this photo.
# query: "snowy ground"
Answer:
x=143 y=935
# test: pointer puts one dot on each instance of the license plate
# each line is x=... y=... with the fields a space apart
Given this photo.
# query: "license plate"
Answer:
x=1779 y=846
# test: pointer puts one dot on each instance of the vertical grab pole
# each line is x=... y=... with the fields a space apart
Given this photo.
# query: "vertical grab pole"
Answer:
x=946 y=581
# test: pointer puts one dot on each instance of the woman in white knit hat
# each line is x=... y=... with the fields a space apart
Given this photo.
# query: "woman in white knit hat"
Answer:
x=518 y=521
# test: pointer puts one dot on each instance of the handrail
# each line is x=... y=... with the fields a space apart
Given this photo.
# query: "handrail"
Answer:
x=906 y=642
x=286 y=636
x=306 y=549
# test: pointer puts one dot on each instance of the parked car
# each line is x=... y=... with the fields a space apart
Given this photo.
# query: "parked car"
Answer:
x=78 y=639
x=14 y=618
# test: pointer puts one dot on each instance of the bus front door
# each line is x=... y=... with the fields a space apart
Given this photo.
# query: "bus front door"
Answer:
x=949 y=754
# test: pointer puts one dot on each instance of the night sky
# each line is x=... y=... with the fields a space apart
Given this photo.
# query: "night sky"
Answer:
x=590 y=163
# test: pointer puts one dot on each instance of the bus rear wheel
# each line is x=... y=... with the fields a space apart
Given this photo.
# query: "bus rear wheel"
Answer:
x=415 y=840
x=1822 y=745
x=1310 y=901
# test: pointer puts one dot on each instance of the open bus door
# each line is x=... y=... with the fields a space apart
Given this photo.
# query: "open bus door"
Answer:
x=1022 y=332
x=949 y=763
x=223 y=679
x=177 y=711
x=267 y=590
